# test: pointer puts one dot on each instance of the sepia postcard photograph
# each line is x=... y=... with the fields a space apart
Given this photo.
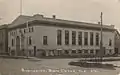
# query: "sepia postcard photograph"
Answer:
x=59 y=37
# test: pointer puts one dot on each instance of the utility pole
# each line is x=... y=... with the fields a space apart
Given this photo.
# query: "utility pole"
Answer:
x=27 y=29
x=20 y=7
x=101 y=42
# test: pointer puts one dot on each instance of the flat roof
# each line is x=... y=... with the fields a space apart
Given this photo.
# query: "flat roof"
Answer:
x=22 y=19
x=3 y=26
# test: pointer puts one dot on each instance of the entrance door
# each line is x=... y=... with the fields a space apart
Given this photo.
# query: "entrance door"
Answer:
x=116 y=51
x=34 y=50
x=17 y=45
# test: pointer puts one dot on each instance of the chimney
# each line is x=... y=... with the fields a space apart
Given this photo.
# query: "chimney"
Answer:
x=112 y=26
x=54 y=16
x=38 y=16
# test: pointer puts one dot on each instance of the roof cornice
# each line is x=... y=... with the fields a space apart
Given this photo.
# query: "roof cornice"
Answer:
x=54 y=21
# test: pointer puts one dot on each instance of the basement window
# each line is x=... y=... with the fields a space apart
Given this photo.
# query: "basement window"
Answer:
x=91 y=51
x=79 y=51
x=73 y=51
x=85 y=51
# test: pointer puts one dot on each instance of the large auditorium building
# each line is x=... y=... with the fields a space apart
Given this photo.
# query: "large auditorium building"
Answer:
x=42 y=36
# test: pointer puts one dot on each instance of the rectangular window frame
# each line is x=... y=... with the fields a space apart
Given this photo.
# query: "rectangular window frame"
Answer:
x=91 y=38
x=91 y=51
x=73 y=37
x=110 y=42
x=12 y=43
x=97 y=39
x=86 y=51
x=45 y=40
x=79 y=51
x=79 y=38
x=85 y=38
x=66 y=37
x=59 y=37
x=29 y=40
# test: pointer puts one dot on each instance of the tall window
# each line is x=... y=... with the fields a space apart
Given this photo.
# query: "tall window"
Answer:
x=110 y=42
x=97 y=39
x=45 y=40
x=91 y=38
x=29 y=40
x=12 y=42
x=24 y=30
x=31 y=29
x=14 y=32
x=66 y=37
x=79 y=38
x=22 y=42
x=73 y=37
x=110 y=51
x=20 y=30
x=59 y=37
x=85 y=38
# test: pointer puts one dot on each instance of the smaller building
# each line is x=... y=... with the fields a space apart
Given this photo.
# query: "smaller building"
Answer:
x=3 y=40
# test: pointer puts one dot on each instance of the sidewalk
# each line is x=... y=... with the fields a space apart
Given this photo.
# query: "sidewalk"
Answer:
x=79 y=58
x=14 y=57
x=20 y=57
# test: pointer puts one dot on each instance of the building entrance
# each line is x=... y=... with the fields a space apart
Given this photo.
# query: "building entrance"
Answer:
x=17 y=45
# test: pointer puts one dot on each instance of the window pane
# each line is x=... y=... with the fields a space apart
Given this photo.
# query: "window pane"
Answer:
x=73 y=51
x=85 y=51
x=91 y=38
x=110 y=42
x=110 y=51
x=73 y=37
x=29 y=29
x=79 y=51
x=79 y=38
x=30 y=40
x=66 y=52
x=32 y=29
x=85 y=38
x=97 y=39
x=66 y=37
x=44 y=40
x=24 y=30
x=59 y=37
x=91 y=51
x=12 y=42
x=97 y=51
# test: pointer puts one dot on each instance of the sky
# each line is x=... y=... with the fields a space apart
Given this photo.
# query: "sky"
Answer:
x=76 y=10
